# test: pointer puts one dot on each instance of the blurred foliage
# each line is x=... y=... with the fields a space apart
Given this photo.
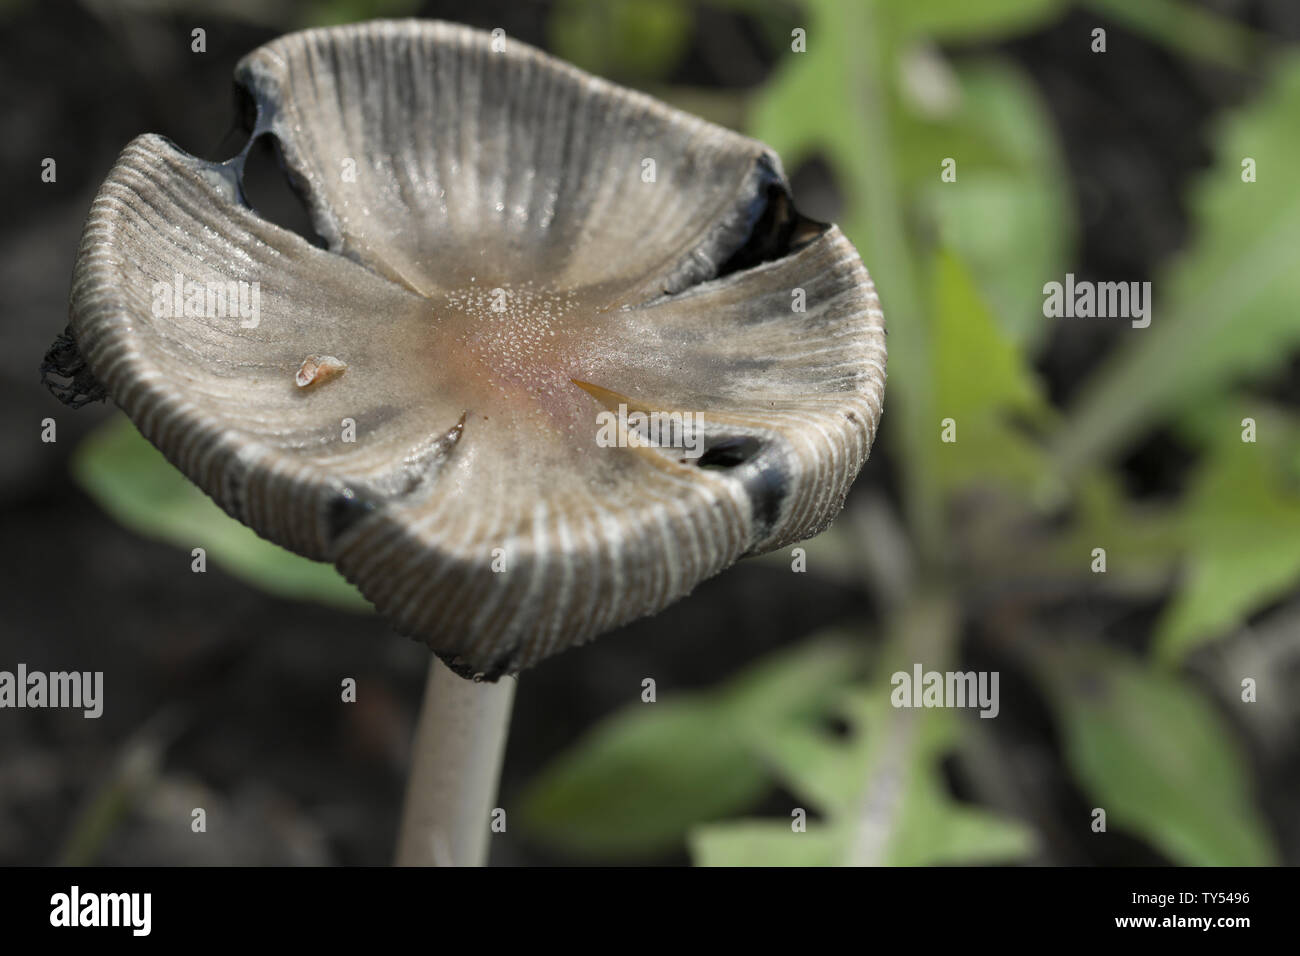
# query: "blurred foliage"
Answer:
x=1227 y=304
x=134 y=483
x=989 y=410
x=877 y=788
x=1008 y=215
x=1240 y=528
x=1016 y=505
x=880 y=796
x=637 y=782
x=962 y=20
x=628 y=40
x=960 y=267
x=1155 y=756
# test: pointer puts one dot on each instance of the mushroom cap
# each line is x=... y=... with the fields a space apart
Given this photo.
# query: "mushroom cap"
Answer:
x=503 y=266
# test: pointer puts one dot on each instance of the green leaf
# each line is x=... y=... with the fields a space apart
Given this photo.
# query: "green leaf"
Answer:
x=1241 y=528
x=879 y=791
x=882 y=791
x=982 y=382
x=1154 y=754
x=628 y=39
x=1225 y=309
x=634 y=785
x=1008 y=213
x=133 y=482
x=767 y=843
x=965 y=20
x=793 y=683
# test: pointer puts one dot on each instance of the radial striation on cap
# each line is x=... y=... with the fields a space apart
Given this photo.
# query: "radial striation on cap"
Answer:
x=583 y=353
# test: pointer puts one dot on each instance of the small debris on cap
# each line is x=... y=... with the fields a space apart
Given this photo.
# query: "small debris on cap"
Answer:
x=318 y=369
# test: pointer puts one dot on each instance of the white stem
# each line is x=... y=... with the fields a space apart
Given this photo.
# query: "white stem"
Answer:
x=455 y=767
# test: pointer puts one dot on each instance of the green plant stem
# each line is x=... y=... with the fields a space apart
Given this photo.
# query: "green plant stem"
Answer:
x=879 y=226
x=924 y=629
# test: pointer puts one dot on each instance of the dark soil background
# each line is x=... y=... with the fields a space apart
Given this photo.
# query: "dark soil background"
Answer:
x=242 y=689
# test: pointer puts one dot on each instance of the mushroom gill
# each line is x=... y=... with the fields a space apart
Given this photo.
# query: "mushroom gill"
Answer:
x=515 y=248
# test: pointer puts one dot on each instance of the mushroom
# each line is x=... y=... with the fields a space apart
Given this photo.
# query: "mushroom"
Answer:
x=518 y=253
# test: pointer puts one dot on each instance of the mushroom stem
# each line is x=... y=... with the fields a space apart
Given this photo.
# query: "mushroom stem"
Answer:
x=455 y=766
